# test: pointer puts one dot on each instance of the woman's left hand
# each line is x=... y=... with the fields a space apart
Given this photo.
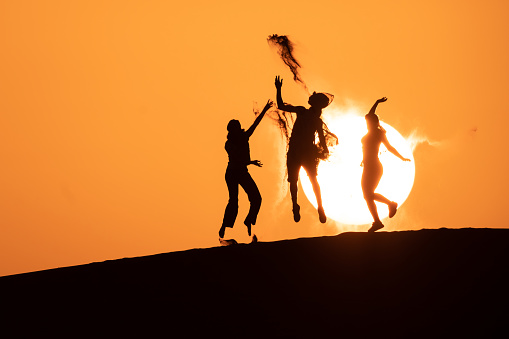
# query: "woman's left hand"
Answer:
x=256 y=163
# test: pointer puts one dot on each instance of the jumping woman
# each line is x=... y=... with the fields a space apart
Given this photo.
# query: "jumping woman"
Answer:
x=373 y=170
x=302 y=149
x=237 y=147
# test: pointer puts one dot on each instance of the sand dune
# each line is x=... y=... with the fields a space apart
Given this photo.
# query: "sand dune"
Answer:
x=443 y=283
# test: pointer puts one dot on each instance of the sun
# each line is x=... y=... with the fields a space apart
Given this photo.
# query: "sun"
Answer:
x=340 y=176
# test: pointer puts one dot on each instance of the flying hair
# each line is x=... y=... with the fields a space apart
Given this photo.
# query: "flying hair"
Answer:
x=285 y=50
x=285 y=120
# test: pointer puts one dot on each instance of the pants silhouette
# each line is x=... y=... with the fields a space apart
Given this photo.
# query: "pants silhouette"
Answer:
x=234 y=178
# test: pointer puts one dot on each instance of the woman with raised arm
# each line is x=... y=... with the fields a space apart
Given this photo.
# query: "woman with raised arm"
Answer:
x=237 y=147
x=373 y=170
x=302 y=149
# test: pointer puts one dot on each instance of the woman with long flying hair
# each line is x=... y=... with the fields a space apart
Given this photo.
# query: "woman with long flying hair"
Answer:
x=303 y=151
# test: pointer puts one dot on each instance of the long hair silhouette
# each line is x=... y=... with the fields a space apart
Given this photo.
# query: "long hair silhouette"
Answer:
x=303 y=151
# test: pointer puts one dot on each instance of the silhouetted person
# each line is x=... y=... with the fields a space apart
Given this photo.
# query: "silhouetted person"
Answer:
x=237 y=147
x=373 y=170
x=302 y=150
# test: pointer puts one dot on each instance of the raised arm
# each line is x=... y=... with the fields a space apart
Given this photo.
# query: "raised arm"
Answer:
x=373 y=109
x=392 y=149
x=259 y=118
x=279 y=99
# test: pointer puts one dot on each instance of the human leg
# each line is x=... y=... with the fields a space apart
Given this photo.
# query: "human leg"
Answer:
x=370 y=201
x=381 y=198
x=372 y=208
x=255 y=199
x=293 y=167
x=393 y=206
x=295 y=205
x=232 y=208
x=311 y=169
x=318 y=195
x=371 y=176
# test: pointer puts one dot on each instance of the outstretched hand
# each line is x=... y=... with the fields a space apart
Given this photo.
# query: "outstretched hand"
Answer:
x=256 y=163
x=406 y=159
x=384 y=99
x=278 y=82
x=268 y=105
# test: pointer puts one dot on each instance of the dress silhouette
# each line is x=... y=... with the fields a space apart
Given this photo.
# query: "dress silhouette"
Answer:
x=302 y=150
x=237 y=147
x=373 y=170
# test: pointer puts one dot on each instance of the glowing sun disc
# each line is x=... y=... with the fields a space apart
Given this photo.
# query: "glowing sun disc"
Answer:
x=340 y=176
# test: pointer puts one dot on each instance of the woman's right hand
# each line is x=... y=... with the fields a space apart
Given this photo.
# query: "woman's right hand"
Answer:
x=384 y=99
x=278 y=82
x=256 y=163
x=268 y=105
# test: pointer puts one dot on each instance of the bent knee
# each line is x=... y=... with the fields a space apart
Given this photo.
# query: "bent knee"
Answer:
x=368 y=195
x=256 y=199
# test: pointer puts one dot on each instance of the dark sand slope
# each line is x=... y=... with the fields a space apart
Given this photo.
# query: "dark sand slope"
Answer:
x=443 y=283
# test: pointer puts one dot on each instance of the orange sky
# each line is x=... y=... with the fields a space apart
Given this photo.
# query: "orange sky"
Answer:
x=113 y=116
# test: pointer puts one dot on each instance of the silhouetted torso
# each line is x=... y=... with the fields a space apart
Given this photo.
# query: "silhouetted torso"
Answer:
x=371 y=146
x=237 y=147
x=303 y=132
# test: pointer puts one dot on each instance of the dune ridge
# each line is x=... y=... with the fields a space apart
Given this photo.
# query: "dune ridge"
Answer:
x=440 y=282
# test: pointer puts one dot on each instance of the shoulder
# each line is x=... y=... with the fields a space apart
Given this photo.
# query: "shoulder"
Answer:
x=300 y=110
